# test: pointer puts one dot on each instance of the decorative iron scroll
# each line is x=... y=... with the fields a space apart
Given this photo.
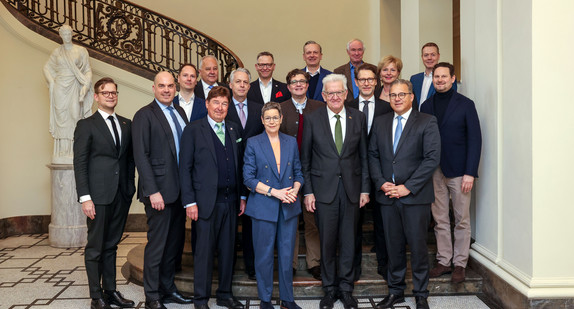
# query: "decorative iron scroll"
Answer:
x=122 y=30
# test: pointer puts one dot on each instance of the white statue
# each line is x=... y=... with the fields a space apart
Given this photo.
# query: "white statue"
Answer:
x=69 y=77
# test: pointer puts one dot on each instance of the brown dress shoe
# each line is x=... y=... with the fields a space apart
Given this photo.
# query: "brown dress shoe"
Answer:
x=458 y=275
x=439 y=270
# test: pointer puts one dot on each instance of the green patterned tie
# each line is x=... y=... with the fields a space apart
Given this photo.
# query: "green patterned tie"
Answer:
x=338 y=134
x=220 y=133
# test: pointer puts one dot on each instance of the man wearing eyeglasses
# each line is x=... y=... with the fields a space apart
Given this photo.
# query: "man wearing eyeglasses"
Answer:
x=295 y=110
x=103 y=150
x=335 y=168
x=404 y=151
x=372 y=107
x=266 y=89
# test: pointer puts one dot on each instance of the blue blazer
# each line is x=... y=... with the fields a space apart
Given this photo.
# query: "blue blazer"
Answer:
x=260 y=166
x=417 y=81
x=199 y=110
x=460 y=135
x=318 y=96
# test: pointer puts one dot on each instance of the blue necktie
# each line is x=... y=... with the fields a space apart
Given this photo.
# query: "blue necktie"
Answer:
x=398 y=132
x=176 y=122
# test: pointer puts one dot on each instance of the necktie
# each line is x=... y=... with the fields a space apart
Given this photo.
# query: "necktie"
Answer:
x=242 y=117
x=219 y=132
x=366 y=110
x=300 y=132
x=210 y=87
x=398 y=132
x=338 y=134
x=116 y=135
x=176 y=122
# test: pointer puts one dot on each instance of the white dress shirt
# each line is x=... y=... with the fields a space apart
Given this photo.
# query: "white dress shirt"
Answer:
x=427 y=82
x=371 y=110
x=206 y=88
x=266 y=90
x=333 y=121
x=403 y=122
x=187 y=105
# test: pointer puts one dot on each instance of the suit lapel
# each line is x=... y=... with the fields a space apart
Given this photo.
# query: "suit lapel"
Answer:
x=450 y=109
x=327 y=129
x=257 y=90
x=349 y=128
x=284 y=155
x=104 y=129
x=206 y=130
x=267 y=150
x=165 y=125
x=125 y=136
x=410 y=123
x=233 y=136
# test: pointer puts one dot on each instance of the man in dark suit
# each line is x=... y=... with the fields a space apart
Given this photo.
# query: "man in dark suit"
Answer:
x=294 y=112
x=312 y=55
x=355 y=50
x=372 y=107
x=209 y=73
x=404 y=151
x=422 y=82
x=193 y=105
x=157 y=128
x=266 y=89
x=212 y=191
x=247 y=114
x=104 y=170
x=461 y=142
x=334 y=164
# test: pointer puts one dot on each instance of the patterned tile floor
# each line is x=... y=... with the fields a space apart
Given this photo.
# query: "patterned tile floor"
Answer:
x=35 y=275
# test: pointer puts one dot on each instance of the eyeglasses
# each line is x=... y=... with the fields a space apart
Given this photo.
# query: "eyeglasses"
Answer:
x=269 y=119
x=300 y=81
x=265 y=65
x=334 y=93
x=369 y=80
x=108 y=94
x=400 y=95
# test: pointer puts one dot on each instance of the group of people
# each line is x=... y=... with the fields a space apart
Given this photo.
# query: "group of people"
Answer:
x=321 y=147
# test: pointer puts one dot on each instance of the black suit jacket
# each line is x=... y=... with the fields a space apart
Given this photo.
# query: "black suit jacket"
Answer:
x=279 y=92
x=416 y=158
x=199 y=109
x=253 y=125
x=381 y=107
x=199 y=93
x=99 y=169
x=155 y=154
x=290 y=124
x=321 y=163
x=198 y=165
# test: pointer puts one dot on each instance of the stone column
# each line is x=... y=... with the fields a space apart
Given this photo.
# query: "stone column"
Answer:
x=68 y=222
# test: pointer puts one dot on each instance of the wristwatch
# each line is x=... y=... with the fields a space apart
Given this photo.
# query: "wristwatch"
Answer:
x=269 y=192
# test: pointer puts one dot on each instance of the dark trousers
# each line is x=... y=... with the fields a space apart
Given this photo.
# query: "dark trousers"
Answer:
x=217 y=233
x=104 y=234
x=337 y=223
x=407 y=224
x=379 y=231
x=163 y=245
x=247 y=244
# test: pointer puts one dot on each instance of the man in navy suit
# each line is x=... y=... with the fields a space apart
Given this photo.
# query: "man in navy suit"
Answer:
x=212 y=193
x=461 y=144
x=404 y=152
x=104 y=170
x=157 y=128
x=312 y=55
x=266 y=89
x=193 y=105
x=209 y=73
x=422 y=82
x=247 y=114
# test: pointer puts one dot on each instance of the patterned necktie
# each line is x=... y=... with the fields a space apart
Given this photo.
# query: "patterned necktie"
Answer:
x=242 y=117
x=398 y=132
x=116 y=135
x=176 y=122
x=219 y=132
x=338 y=134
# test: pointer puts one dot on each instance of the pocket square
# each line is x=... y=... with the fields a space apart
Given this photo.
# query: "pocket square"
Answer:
x=238 y=140
x=278 y=94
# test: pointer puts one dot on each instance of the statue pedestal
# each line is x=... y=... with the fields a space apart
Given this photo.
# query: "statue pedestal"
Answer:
x=68 y=222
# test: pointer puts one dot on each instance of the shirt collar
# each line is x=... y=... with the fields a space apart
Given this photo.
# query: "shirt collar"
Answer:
x=263 y=85
x=371 y=99
x=212 y=122
x=331 y=114
x=163 y=107
x=405 y=115
x=235 y=102
x=182 y=100
x=106 y=115
x=313 y=74
x=206 y=85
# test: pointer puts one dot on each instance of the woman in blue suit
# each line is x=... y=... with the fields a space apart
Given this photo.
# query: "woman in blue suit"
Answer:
x=272 y=172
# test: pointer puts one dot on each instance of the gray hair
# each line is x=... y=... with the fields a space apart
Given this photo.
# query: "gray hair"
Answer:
x=204 y=58
x=335 y=78
x=399 y=81
x=357 y=40
x=244 y=70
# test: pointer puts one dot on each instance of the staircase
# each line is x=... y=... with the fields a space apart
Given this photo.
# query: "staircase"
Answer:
x=124 y=34
x=304 y=285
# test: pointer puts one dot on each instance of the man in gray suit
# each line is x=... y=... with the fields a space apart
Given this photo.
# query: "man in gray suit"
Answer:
x=404 y=151
x=334 y=164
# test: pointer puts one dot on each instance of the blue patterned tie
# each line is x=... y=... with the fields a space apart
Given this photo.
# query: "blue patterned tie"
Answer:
x=176 y=122
x=398 y=132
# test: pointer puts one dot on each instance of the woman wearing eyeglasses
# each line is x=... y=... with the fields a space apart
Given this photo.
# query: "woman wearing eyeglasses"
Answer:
x=272 y=172
x=389 y=70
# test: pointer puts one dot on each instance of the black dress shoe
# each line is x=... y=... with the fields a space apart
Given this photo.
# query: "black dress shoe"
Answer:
x=422 y=302
x=230 y=303
x=289 y=305
x=116 y=298
x=265 y=305
x=349 y=302
x=200 y=306
x=176 y=297
x=389 y=301
x=99 y=303
x=154 y=304
x=315 y=272
x=328 y=300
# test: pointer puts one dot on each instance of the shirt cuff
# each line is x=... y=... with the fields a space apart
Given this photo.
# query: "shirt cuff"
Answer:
x=244 y=197
x=85 y=198
x=189 y=205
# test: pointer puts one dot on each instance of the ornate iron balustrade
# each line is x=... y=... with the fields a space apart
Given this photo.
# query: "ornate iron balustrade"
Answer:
x=124 y=34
